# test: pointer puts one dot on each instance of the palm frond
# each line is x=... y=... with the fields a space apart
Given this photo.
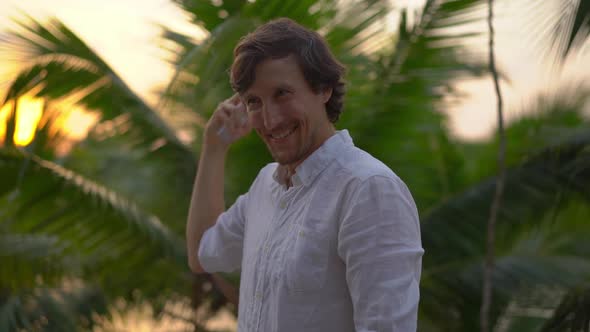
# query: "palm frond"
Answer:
x=58 y=64
x=546 y=121
x=581 y=27
x=559 y=26
x=536 y=190
x=67 y=308
x=210 y=15
x=102 y=228
x=531 y=187
x=573 y=313
x=399 y=110
x=562 y=236
x=26 y=258
x=62 y=68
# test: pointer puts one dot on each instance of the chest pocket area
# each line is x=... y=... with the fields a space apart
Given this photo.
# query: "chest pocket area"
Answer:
x=306 y=263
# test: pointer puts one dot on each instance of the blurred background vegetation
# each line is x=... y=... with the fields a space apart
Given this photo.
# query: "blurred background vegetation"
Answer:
x=91 y=229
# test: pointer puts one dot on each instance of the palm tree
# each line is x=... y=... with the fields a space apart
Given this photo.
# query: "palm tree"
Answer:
x=112 y=244
x=66 y=241
x=75 y=225
x=545 y=199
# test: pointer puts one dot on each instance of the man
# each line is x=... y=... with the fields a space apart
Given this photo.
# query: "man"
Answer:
x=327 y=238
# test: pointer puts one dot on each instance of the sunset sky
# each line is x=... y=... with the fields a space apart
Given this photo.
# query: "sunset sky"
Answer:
x=125 y=33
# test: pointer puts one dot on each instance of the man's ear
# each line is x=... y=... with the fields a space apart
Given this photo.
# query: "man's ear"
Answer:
x=326 y=94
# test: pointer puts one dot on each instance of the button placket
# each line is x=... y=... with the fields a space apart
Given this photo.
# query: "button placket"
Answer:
x=265 y=260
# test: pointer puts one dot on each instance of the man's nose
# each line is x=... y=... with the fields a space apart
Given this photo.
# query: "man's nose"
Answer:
x=272 y=116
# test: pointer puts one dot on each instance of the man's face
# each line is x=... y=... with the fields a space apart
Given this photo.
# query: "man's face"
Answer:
x=285 y=112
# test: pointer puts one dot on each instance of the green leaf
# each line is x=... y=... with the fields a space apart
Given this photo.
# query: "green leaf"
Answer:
x=105 y=230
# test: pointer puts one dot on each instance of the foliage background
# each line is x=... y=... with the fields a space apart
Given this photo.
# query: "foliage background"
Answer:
x=98 y=231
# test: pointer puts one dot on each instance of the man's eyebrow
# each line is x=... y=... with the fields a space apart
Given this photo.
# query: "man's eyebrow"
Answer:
x=284 y=85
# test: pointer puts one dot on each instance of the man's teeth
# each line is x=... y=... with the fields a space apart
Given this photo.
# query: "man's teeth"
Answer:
x=283 y=135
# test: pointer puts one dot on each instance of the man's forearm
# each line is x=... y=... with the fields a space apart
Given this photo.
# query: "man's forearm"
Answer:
x=207 y=201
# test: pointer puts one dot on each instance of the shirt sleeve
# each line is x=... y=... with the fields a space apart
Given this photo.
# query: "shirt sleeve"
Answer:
x=221 y=247
x=379 y=241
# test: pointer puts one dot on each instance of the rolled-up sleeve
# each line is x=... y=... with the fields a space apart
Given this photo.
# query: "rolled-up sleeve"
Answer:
x=379 y=241
x=221 y=247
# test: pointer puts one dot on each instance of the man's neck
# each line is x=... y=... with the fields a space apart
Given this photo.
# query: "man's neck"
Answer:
x=286 y=172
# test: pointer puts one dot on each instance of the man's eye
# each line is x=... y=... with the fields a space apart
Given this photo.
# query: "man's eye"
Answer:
x=252 y=104
x=282 y=92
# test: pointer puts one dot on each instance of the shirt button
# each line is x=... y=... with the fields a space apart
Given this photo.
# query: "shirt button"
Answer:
x=258 y=295
x=283 y=204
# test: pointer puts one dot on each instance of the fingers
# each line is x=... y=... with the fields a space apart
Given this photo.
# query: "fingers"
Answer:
x=231 y=105
x=234 y=116
x=238 y=118
x=236 y=111
x=230 y=120
x=235 y=99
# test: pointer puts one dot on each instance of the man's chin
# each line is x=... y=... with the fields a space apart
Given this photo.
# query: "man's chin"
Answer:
x=282 y=159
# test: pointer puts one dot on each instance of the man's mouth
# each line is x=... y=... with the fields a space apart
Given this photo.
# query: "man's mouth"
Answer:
x=282 y=134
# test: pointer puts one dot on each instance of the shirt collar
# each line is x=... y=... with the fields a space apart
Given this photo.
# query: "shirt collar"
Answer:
x=313 y=165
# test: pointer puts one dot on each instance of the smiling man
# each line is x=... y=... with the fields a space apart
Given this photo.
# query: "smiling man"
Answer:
x=327 y=237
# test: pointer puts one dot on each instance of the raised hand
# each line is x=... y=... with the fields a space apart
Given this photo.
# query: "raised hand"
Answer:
x=228 y=123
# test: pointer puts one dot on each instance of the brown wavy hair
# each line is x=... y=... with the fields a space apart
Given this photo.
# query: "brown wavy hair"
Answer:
x=283 y=37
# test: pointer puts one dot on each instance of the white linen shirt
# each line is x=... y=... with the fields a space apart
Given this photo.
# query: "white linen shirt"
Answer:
x=340 y=250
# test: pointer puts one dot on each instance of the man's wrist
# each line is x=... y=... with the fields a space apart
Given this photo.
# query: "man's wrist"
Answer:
x=214 y=149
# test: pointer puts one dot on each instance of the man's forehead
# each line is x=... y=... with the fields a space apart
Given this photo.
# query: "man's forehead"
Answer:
x=273 y=74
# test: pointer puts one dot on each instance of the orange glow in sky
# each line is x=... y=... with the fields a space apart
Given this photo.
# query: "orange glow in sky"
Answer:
x=73 y=124
x=28 y=114
x=126 y=36
x=4 y=112
x=77 y=122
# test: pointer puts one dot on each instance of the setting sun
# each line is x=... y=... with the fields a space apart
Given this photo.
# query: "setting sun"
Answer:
x=74 y=123
x=28 y=114
x=4 y=112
